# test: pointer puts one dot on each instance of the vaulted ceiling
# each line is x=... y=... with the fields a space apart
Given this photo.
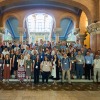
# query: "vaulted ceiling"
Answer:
x=6 y=5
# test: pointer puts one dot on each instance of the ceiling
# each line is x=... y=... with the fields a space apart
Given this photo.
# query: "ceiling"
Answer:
x=7 y=5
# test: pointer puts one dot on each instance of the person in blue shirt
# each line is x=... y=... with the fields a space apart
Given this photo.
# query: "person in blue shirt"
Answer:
x=88 y=65
x=66 y=67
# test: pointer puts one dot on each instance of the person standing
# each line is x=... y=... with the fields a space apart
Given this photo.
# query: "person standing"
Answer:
x=7 y=68
x=11 y=57
x=80 y=64
x=28 y=67
x=45 y=67
x=96 y=68
x=16 y=57
x=55 y=69
x=88 y=65
x=66 y=67
x=1 y=66
x=21 y=68
x=36 y=69
x=73 y=61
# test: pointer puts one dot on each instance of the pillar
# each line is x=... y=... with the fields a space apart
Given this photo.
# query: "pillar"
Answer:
x=76 y=31
x=99 y=9
x=21 y=31
x=94 y=30
x=58 y=32
x=80 y=36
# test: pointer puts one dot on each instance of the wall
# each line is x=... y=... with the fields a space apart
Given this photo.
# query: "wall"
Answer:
x=83 y=25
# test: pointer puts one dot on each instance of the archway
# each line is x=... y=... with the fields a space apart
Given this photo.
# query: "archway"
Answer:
x=39 y=26
x=11 y=29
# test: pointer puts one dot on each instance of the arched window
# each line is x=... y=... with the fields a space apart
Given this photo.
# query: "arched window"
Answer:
x=39 y=22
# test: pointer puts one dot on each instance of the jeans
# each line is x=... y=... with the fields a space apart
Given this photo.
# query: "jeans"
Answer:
x=79 y=71
x=88 y=71
x=36 y=75
x=45 y=75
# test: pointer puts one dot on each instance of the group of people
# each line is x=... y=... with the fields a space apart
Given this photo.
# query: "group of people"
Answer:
x=49 y=60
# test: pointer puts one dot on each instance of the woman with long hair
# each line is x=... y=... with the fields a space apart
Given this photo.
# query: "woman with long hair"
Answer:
x=55 y=69
x=11 y=57
x=7 y=68
x=16 y=57
x=21 y=68
x=36 y=69
x=28 y=67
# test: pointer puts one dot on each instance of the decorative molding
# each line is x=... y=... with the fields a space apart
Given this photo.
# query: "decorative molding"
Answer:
x=82 y=36
x=94 y=28
x=76 y=31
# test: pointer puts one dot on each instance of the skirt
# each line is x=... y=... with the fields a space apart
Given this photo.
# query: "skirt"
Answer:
x=21 y=73
x=6 y=72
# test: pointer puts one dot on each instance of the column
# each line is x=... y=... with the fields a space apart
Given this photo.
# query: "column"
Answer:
x=98 y=34
x=82 y=38
x=76 y=31
x=2 y=31
x=99 y=9
x=21 y=31
x=57 y=32
x=94 y=30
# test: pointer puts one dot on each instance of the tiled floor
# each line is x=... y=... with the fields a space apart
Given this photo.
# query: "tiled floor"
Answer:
x=49 y=95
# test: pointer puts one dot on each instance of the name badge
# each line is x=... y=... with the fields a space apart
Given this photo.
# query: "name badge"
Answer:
x=65 y=63
x=36 y=67
x=28 y=66
x=7 y=65
x=88 y=62
x=41 y=57
x=72 y=61
x=0 y=65
x=17 y=60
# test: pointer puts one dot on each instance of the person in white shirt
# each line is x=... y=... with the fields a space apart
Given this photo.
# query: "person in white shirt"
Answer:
x=16 y=48
x=96 y=68
x=5 y=51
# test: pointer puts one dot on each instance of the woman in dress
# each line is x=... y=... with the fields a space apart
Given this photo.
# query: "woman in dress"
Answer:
x=55 y=69
x=28 y=67
x=16 y=57
x=1 y=66
x=7 y=68
x=36 y=70
x=21 y=69
x=11 y=57
x=45 y=67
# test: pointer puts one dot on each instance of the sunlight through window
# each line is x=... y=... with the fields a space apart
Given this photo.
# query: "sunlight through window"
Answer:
x=39 y=22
